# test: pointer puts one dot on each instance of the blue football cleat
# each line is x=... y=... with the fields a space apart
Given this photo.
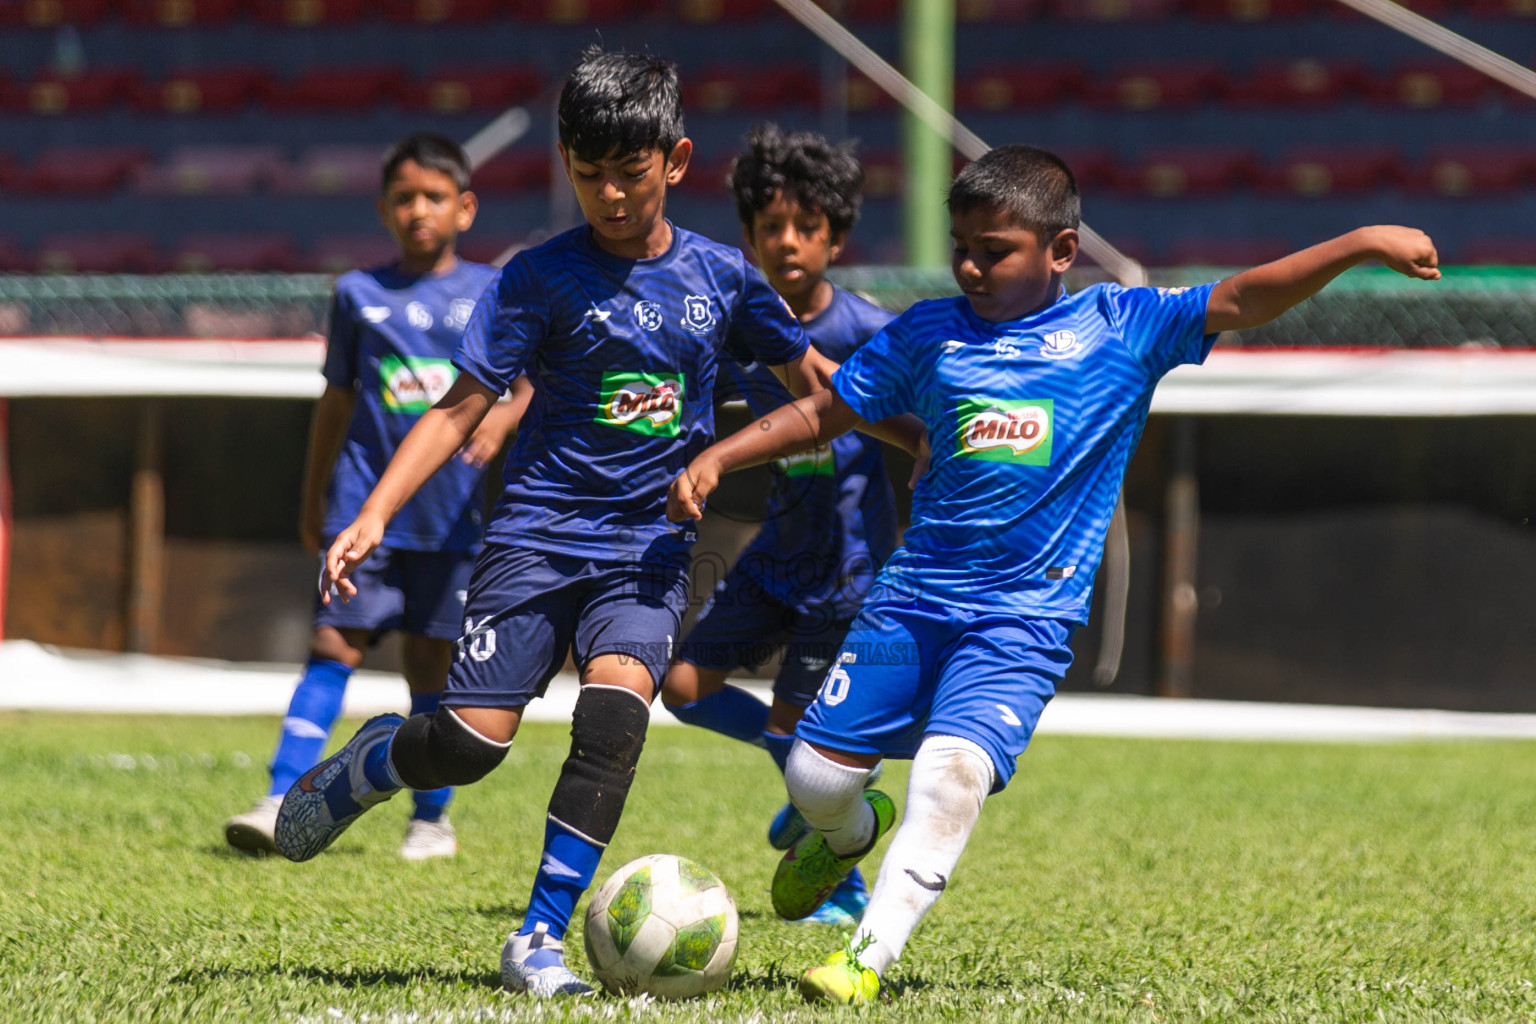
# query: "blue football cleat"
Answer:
x=845 y=907
x=535 y=964
x=332 y=795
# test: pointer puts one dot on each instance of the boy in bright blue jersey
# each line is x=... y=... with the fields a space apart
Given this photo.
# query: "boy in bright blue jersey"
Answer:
x=1034 y=401
x=393 y=331
x=618 y=324
x=830 y=521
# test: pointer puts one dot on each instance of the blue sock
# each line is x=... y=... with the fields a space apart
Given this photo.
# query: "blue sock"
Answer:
x=566 y=871
x=730 y=711
x=377 y=769
x=430 y=803
x=778 y=747
x=315 y=706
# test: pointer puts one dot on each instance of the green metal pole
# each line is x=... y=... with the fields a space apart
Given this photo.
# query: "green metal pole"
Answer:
x=928 y=50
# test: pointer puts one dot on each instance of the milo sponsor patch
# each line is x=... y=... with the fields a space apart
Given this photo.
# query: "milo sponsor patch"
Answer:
x=1014 y=431
x=415 y=383
x=647 y=403
x=816 y=462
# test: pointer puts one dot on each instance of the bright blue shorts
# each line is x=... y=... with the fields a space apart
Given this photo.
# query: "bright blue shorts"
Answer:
x=528 y=609
x=914 y=669
x=744 y=626
x=419 y=592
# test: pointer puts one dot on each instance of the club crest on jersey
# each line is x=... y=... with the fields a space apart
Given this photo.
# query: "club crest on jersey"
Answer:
x=1060 y=345
x=647 y=403
x=459 y=312
x=414 y=384
x=418 y=316
x=648 y=315
x=1017 y=431
x=698 y=314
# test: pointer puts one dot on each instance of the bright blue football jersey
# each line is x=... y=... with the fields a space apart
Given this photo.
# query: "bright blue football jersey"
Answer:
x=830 y=521
x=622 y=355
x=392 y=338
x=1032 y=423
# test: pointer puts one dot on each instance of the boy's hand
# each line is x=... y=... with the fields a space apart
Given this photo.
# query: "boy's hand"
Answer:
x=688 y=493
x=350 y=549
x=483 y=444
x=1408 y=251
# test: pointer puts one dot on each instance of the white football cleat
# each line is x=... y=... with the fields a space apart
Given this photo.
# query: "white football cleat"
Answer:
x=427 y=839
x=535 y=964
x=252 y=831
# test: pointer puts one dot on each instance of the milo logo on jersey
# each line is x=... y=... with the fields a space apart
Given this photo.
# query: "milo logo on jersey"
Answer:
x=1019 y=431
x=647 y=403
x=415 y=383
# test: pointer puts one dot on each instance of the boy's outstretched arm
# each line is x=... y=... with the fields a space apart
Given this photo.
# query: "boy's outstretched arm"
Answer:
x=441 y=431
x=1259 y=295
x=327 y=431
x=813 y=372
x=796 y=427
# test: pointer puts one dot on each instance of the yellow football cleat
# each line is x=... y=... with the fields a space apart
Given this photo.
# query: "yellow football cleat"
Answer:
x=841 y=980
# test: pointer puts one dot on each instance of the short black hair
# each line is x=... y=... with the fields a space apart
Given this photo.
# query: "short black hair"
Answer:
x=619 y=104
x=805 y=167
x=1034 y=187
x=431 y=151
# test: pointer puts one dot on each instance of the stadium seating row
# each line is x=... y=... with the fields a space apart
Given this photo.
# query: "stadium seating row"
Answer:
x=1165 y=172
x=132 y=253
x=308 y=13
x=764 y=87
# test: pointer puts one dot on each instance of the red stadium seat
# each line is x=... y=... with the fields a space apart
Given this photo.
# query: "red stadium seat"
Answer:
x=211 y=170
x=706 y=12
x=517 y=171
x=1314 y=171
x=870 y=10
x=87 y=93
x=1225 y=252
x=332 y=170
x=201 y=253
x=862 y=95
x=455 y=90
x=1475 y=170
x=179 y=13
x=999 y=10
x=1432 y=84
x=1504 y=8
x=1305 y=82
x=12 y=259
x=1151 y=86
x=708 y=176
x=339 y=89
x=1093 y=166
x=723 y=87
x=1169 y=172
x=998 y=87
x=336 y=254
x=204 y=91
x=308 y=13
x=1515 y=252
x=71 y=170
x=571 y=12
x=1114 y=10
x=1251 y=10
x=53 y=13
x=98 y=253
x=883 y=176
x=443 y=12
x=479 y=248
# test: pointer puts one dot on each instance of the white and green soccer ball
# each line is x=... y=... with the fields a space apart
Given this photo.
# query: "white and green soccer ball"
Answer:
x=662 y=925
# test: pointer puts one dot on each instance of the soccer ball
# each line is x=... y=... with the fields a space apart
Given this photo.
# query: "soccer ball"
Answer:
x=662 y=925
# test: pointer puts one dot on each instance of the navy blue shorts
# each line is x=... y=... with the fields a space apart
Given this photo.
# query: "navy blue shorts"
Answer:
x=910 y=669
x=743 y=626
x=419 y=592
x=528 y=609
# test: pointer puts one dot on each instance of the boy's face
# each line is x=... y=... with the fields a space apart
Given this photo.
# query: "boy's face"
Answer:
x=793 y=245
x=1003 y=269
x=623 y=197
x=425 y=211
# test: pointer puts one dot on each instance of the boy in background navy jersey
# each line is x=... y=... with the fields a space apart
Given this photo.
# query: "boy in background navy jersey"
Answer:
x=830 y=521
x=393 y=331
x=618 y=324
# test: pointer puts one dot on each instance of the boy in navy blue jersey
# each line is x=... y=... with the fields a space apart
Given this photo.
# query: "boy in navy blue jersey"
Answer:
x=1034 y=401
x=618 y=324
x=393 y=330
x=830 y=522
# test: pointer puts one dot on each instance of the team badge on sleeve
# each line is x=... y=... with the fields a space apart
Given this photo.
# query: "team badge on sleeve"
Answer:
x=698 y=314
x=1019 y=431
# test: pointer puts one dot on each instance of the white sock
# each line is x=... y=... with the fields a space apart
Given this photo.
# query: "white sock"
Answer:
x=950 y=779
x=830 y=796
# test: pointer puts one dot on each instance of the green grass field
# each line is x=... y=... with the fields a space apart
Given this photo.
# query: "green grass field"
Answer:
x=1115 y=880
